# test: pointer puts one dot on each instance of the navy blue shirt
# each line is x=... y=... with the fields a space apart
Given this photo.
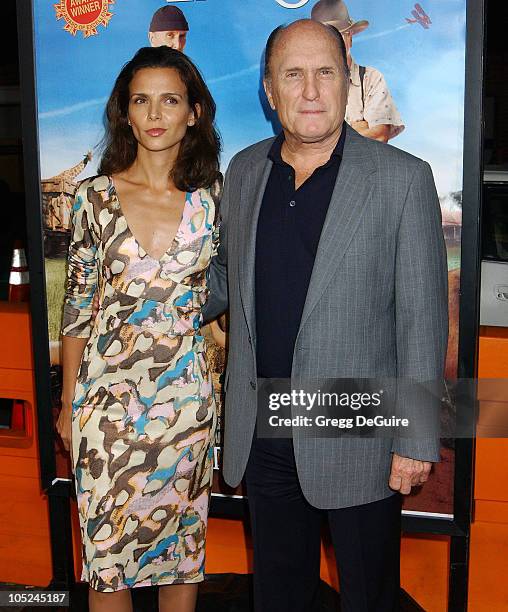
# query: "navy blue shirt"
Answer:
x=288 y=232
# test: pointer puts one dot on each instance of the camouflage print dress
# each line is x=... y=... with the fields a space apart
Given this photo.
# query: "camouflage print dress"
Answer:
x=143 y=411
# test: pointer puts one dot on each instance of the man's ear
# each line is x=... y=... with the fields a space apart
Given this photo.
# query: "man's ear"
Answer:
x=267 y=84
x=150 y=38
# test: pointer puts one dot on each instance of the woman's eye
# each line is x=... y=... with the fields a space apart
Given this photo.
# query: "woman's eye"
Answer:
x=139 y=100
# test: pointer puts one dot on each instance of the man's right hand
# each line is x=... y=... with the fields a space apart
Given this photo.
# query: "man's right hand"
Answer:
x=406 y=473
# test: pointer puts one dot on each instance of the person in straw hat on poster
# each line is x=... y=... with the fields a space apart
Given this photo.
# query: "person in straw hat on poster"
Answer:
x=370 y=110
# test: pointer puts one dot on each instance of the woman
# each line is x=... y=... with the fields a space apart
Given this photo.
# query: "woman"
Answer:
x=136 y=383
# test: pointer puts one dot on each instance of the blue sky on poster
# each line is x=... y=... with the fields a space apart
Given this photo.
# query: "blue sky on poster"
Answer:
x=424 y=70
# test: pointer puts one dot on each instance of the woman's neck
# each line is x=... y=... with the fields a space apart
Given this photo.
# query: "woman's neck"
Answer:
x=153 y=168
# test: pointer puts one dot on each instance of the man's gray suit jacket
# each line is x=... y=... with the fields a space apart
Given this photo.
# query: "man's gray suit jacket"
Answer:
x=376 y=307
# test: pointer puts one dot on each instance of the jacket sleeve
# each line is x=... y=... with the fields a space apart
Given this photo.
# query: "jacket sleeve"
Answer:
x=217 y=278
x=421 y=311
x=82 y=273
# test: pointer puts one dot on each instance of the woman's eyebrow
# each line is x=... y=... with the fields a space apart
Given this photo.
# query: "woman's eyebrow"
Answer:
x=167 y=93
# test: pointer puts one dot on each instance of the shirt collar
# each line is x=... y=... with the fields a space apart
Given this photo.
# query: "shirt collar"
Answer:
x=275 y=152
x=354 y=76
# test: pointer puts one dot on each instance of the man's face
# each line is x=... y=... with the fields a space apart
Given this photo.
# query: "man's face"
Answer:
x=175 y=39
x=307 y=86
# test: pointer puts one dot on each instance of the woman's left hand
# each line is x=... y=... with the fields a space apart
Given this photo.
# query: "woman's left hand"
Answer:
x=95 y=306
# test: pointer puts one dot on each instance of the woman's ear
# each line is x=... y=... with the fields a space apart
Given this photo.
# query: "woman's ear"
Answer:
x=194 y=115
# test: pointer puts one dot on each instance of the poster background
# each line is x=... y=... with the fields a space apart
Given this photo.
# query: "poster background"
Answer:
x=424 y=69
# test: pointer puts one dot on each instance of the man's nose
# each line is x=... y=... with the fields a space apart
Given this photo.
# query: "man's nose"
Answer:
x=310 y=88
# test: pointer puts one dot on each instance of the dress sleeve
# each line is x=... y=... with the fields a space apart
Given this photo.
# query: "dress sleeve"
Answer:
x=217 y=277
x=216 y=193
x=82 y=273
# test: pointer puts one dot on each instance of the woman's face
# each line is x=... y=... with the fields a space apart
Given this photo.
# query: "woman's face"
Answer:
x=159 y=111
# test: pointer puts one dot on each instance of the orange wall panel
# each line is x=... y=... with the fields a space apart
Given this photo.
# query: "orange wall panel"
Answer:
x=16 y=336
x=491 y=468
x=424 y=570
x=488 y=585
x=25 y=547
x=491 y=481
x=493 y=353
x=488 y=568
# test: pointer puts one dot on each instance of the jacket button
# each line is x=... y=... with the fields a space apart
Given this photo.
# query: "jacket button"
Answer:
x=253 y=384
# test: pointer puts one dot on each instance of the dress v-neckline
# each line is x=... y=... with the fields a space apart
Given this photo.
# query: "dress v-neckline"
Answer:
x=173 y=242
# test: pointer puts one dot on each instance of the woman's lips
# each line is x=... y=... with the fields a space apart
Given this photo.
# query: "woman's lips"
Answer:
x=155 y=132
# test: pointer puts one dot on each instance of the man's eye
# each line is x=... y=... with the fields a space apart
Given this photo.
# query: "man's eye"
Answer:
x=171 y=100
x=326 y=72
x=139 y=100
x=292 y=75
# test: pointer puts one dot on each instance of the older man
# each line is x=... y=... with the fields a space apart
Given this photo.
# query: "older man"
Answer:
x=370 y=110
x=168 y=28
x=332 y=264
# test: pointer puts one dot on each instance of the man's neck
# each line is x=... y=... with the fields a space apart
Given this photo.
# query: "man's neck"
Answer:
x=309 y=155
x=305 y=158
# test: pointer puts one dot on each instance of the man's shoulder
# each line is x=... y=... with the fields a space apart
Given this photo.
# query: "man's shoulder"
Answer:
x=386 y=155
x=253 y=153
x=373 y=73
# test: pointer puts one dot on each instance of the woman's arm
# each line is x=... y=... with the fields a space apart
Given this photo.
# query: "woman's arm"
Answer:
x=217 y=275
x=80 y=289
x=72 y=352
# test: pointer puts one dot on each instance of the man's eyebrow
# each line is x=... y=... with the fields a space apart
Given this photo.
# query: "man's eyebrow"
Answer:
x=298 y=69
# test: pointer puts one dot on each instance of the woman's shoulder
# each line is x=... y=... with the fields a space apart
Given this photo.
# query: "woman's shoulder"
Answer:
x=97 y=193
x=97 y=183
x=214 y=191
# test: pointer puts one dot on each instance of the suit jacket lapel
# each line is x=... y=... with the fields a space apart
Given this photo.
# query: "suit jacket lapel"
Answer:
x=350 y=195
x=251 y=198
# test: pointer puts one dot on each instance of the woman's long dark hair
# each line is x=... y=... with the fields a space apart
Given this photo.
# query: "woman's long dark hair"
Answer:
x=197 y=163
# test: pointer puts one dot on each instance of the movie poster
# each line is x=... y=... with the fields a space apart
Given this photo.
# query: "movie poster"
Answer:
x=407 y=87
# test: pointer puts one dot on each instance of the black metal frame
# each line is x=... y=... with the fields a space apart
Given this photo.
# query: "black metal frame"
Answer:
x=59 y=491
x=35 y=239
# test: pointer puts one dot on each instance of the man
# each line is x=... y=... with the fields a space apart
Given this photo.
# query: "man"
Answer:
x=168 y=28
x=332 y=264
x=370 y=110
